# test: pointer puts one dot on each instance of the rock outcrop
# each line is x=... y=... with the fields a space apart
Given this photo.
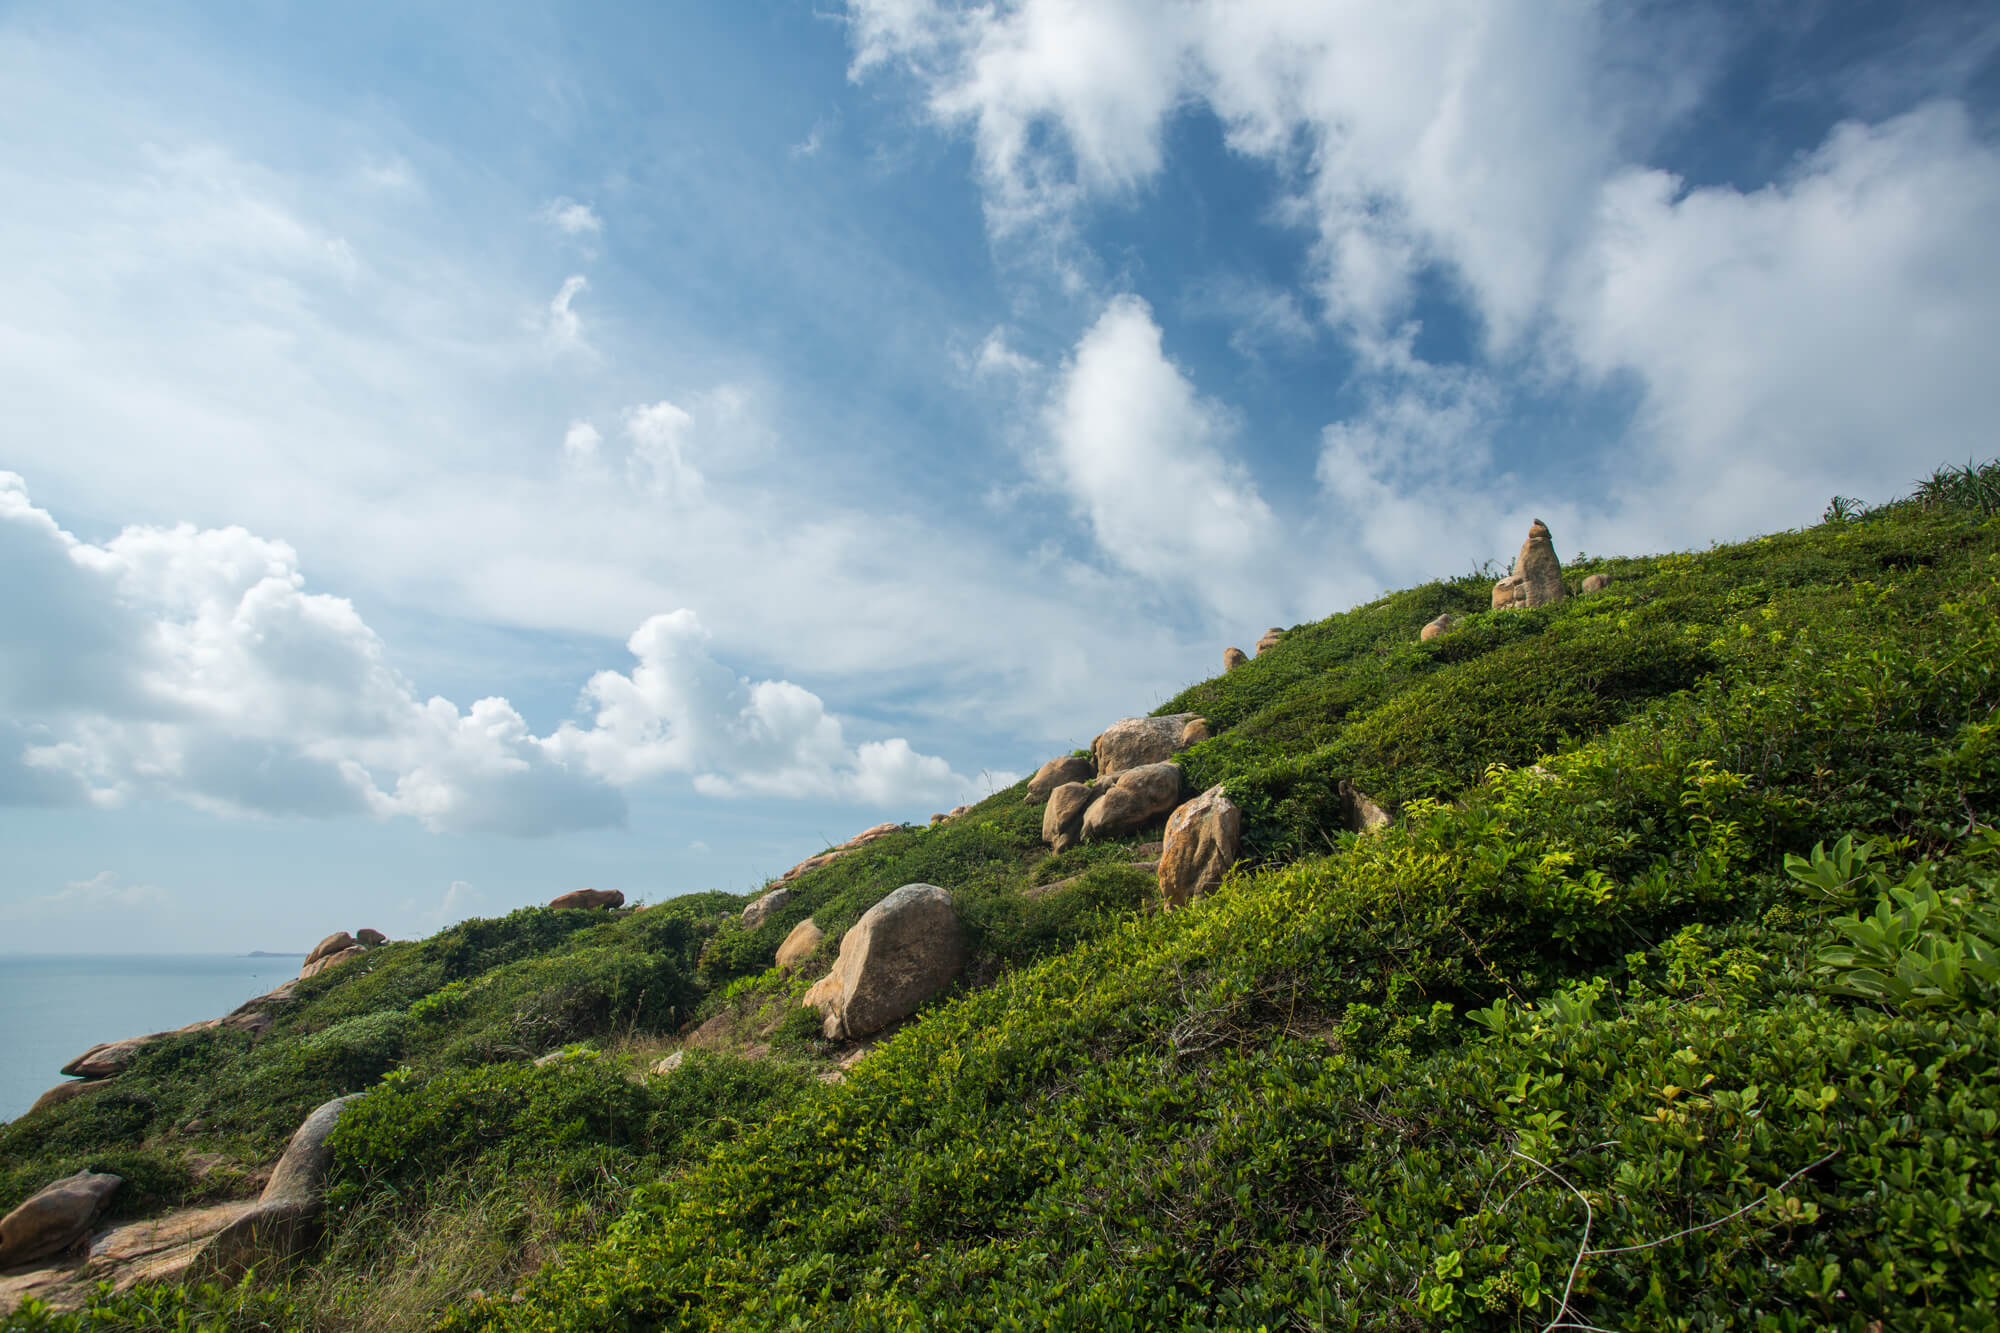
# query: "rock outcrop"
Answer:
x=759 y=911
x=799 y=945
x=1271 y=637
x=1062 y=817
x=56 y=1218
x=1138 y=797
x=947 y=816
x=1133 y=741
x=108 y=1059
x=338 y=942
x=286 y=1217
x=370 y=937
x=1233 y=658
x=1063 y=768
x=832 y=854
x=901 y=952
x=1537 y=576
x=68 y=1090
x=1204 y=838
x=1441 y=625
x=1596 y=583
x=1360 y=812
x=588 y=898
x=319 y=965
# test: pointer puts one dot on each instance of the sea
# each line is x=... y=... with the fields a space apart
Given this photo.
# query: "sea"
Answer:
x=53 y=1007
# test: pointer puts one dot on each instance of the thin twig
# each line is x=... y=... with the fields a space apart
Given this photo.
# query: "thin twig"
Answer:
x=1779 y=1188
x=1589 y=1216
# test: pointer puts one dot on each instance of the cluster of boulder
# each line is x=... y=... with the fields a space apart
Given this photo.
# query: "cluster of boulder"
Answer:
x=53 y=1235
x=1235 y=657
x=1125 y=784
x=1535 y=580
x=340 y=947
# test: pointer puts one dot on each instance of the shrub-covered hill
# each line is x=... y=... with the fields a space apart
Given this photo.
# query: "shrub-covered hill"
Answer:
x=1667 y=1003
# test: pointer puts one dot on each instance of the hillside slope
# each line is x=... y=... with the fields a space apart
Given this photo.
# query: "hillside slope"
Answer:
x=1668 y=1002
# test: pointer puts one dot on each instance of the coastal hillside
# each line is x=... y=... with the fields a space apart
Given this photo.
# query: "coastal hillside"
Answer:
x=1613 y=944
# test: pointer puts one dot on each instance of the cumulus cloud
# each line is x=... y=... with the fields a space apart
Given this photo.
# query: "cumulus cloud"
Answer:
x=660 y=435
x=192 y=664
x=572 y=218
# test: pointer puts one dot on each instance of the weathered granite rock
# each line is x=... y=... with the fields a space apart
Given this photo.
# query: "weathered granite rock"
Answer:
x=758 y=912
x=1436 y=627
x=1271 y=637
x=588 y=898
x=369 y=936
x=799 y=945
x=55 y=1218
x=1062 y=769
x=332 y=944
x=108 y=1058
x=1062 y=817
x=67 y=1090
x=1596 y=583
x=667 y=1064
x=868 y=835
x=901 y=952
x=1536 y=579
x=286 y=1218
x=1507 y=595
x=1360 y=812
x=319 y=965
x=811 y=863
x=1133 y=741
x=1233 y=658
x=1204 y=838
x=1135 y=799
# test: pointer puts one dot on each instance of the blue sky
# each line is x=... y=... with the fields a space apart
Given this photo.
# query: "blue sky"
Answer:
x=455 y=457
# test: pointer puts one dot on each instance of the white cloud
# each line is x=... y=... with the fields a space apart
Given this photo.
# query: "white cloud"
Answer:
x=82 y=899
x=1142 y=456
x=810 y=145
x=580 y=444
x=660 y=435
x=997 y=357
x=571 y=218
x=563 y=325
x=193 y=665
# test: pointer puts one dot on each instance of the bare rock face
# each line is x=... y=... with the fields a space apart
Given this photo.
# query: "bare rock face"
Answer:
x=335 y=943
x=1133 y=741
x=810 y=863
x=1360 y=812
x=799 y=945
x=371 y=937
x=1204 y=838
x=901 y=952
x=1062 y=817
x=1233 y=658
x=1537 y=577
x=56 y=1218
x=1138 y=798
x=868 y=835
x=1596 y=583
x=1436 y=627
x=1063 y=768
x=318 y=965
x=756 y=913
x=286 y=1218
x=588 y=898
x=1271 y=637
x=107 y=1059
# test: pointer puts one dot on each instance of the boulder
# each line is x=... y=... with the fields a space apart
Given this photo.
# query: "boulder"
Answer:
x=1436 y=627
x=1360 y=812
x=1065 y=768
x=56 y=1218
x=107 y=1058
x=67 y=1090
x=813 y=863
x=1138 y=797
x=1507 y=595
x=329 y=946
x=1133 y=741
x=1536 y=569
x=370 y=937
x=286 y=1218
x=1233 y=658
x=667 y=1064
x=1596 y=583
x=901 y=952
x=588 y=898
x=1062 y=817
x=332 y=960
x=1204 y=838
x=799 y=945
x=868 y=835
x=1271 y=637
x=755 y=914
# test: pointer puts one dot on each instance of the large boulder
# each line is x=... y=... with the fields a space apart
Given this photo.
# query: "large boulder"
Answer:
x=756 y=913
x=56 y=1218
x=286 y=1218
x=1436 y=627
x=1537 y=576
x=1204 y=838
x=1062 y=769
x=107 y=1059
x=1133 y=741
x=799 y=945
x=319 y=965
x=1270 y=639
x=1062 y=817
x=1596 y=583
x=371 y=937
x=588 y=898
x=337 y=942
x=1138 y=797
x=901 y=952
x=1233 y=658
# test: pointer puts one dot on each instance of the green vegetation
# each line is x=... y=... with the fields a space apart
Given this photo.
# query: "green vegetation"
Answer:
x=1671 y=1001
